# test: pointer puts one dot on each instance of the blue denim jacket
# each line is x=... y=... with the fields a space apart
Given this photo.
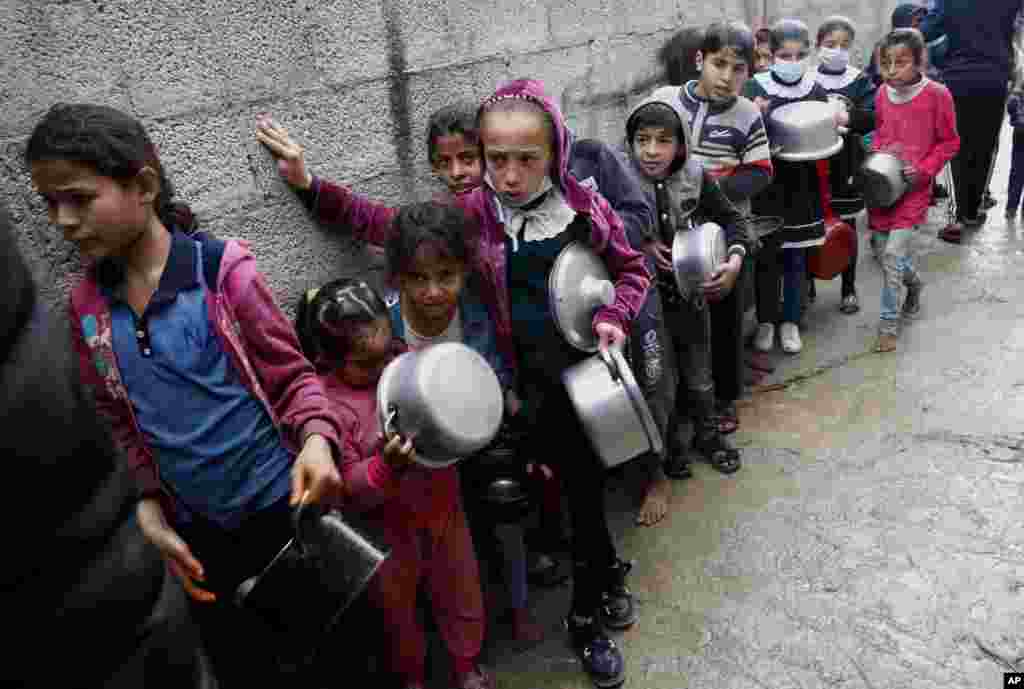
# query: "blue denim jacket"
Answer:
x=478 y=330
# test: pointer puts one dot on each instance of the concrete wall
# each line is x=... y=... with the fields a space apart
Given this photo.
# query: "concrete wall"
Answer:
x=354 y=80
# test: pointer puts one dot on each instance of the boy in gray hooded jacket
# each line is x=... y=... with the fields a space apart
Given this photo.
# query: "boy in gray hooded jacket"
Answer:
x=682 y=196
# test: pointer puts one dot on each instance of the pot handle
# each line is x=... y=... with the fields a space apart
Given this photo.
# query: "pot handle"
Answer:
x=389 y=422
x=609 y=361
x=843 y=131
x=297 y=515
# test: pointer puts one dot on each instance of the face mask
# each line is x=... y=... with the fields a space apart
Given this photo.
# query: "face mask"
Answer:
x=790 y=72
x=835 y=59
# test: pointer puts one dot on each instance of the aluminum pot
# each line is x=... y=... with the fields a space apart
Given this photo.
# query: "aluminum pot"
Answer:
x=696 y=253
x=578 y=285
x=446 y=398
x=804 y=131
x=833 y=257
x=882 y=180
x=612 y=408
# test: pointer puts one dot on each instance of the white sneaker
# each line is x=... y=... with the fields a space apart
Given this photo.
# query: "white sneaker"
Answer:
x=789 y=335
x=764 y=340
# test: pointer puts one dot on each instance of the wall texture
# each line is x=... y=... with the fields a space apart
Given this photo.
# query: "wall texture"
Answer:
x=354 y=80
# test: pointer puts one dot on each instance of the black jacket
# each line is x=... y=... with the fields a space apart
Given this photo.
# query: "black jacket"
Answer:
x=88 y=602
x=979 y=39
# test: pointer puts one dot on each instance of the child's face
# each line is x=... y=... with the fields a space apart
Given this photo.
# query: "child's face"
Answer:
x=791 y=51
x=723 y=74
x=100 y=215
x=432 y=283
x=898 y=65
x=763 y=57
x=371 y=352
x=517 y=151
x=839 y=39
x=457 y=162
x=655 y=148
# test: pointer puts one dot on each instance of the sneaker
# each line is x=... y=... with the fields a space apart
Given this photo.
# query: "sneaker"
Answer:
x=618 y=609
x=764 y=340
x=789 y=335
x=975 y=222
x=912 y=304
x=850 y=304
x=600 y=656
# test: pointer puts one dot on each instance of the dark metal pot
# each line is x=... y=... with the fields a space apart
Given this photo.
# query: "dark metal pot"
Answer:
x=882 y=180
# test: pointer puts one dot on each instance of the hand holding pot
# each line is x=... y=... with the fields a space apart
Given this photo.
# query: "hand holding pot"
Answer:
x=609 y=335
x=659 y=253
x=723 y=279
x=315 y=473
x=398 y=454
x=911 y=175
x=175 y=551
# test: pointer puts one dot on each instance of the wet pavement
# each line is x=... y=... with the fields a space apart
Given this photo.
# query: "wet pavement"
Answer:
x=872 y=539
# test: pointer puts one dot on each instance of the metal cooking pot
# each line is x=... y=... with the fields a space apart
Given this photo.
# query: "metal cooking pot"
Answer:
x=882 y=180
x=695 y=255
x=578 y=285
x=838 y=100
x=832 y=258
x=805 y=130
x=446 y=398
x=612 y=408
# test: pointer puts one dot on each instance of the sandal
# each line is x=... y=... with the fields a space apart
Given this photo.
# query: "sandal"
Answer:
x=850 y=304
x=717 y=451
x=727 y=420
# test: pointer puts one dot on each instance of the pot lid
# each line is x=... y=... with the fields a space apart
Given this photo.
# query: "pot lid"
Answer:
x=636 y=398
x=578 y=285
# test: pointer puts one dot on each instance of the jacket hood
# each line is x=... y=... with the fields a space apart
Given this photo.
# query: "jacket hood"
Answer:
x=903 y=15
x=669 y=96
x=577 y=196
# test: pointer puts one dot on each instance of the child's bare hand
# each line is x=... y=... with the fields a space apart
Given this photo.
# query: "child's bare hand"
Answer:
x=659 y=253
x=842 y=118
x=398 y=454
x=723 y=279
x=291 y=163
x=175 y=551
x=762 y=103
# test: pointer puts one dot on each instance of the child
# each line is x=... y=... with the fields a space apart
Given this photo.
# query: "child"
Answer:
x=836 y=75
x=437 y=300
x=678 y=55
x=795 y=193
x=730 y=143
x=419 y=510
x=1015 y=108
x=916 y=119
x=763 y=51
x=196 y=369
x=659 y=146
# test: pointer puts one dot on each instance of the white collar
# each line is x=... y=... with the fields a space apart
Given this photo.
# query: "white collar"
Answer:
x=547 y=220
x=901 y=98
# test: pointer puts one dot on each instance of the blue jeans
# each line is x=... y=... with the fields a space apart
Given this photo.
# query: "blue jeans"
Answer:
x=1016 y=171
x=895 y=249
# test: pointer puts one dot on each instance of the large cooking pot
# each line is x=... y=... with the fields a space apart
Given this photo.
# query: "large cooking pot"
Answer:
x=612 y=408
x=446 y=398
x=833 y=257
x=578 y=285
x=881 y=179
x=495 y=479
x=805 y=130
x=696 y=253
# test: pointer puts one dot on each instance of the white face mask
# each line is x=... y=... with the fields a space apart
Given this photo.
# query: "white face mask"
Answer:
x=835 y=59
x=790 y=72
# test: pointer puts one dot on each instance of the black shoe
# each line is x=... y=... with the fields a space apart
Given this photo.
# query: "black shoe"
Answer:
x=975 y=222
x=717 y=450
x=988 y=202
x=940 y=192
x=600 y=656
x=677 y=466
x=618 y=609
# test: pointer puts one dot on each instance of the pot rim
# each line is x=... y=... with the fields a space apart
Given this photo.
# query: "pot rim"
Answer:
x=812 y=155
x=636 y=399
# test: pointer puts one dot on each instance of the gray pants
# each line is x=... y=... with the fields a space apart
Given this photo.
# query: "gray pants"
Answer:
x=689 y=326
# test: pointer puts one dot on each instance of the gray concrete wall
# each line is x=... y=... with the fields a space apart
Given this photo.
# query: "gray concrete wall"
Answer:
x=353 y=79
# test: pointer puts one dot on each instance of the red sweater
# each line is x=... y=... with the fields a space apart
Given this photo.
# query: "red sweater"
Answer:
x=922 y=132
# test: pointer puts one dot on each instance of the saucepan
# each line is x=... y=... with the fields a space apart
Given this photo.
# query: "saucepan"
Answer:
x=805 y=131
x=882 y=180
x=696 y=253
x=612 y=408
x=446 y=398
x=578 y=285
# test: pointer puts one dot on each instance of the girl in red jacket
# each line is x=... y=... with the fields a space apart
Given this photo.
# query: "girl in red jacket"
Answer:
x=915 y=120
